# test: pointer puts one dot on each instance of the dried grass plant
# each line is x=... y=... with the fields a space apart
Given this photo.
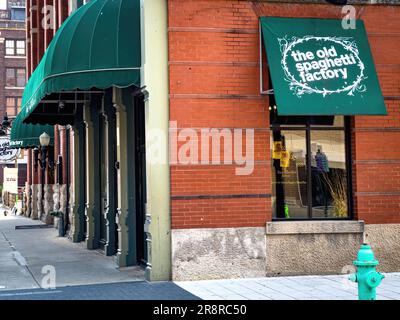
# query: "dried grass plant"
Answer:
x=337 y=186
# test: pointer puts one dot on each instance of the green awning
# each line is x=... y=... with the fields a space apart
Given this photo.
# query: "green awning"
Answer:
x=26 y=136
x=319 y=68
x=98 y=46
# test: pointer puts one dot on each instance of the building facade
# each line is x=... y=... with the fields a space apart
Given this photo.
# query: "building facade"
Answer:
x=152 y=158
x=280 y=219
x=101 y=113
x=12 y=69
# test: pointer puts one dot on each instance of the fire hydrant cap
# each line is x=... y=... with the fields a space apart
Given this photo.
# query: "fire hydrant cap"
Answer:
x=374 y=279
x=365 y=256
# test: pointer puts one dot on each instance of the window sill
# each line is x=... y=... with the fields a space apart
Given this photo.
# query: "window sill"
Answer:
x=14 y=88
x=15 y=57
x=314 y=227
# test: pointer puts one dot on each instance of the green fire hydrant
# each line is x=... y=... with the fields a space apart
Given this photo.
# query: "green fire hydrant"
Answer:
x=366 y=277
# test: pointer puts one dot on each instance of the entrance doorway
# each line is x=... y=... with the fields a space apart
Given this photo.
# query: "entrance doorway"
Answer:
x=140 y=178
x=137 y=184
x=107 y=197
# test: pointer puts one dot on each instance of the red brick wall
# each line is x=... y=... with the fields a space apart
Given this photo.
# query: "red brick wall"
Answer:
x=37 y=41
x=214 y=82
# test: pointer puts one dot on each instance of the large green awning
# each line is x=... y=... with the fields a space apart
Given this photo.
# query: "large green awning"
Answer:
x=98 y=46
x=26 y=136
x=319 y=68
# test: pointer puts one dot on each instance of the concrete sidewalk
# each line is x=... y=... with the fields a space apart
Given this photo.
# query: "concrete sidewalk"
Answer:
x=137 y=290
x=335 y=287
x=24 y=253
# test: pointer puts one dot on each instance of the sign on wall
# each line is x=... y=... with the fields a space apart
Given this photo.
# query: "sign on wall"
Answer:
x=319 y=68
x=7 y=155
x=10 y=180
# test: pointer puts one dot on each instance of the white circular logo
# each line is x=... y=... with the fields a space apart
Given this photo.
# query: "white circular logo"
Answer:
x=322 y=65
x=7 y=154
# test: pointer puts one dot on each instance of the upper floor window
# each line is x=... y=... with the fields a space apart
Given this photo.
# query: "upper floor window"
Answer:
x=15 y=77
x=15 y=47
x=18 y=14
x=13 y=105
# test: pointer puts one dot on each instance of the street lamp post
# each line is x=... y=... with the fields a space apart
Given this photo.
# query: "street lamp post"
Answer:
x=44 y=140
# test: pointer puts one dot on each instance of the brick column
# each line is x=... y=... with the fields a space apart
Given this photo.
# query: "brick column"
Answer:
x=33 y=35
x=29 y=168
x=62 y=11
x=50 y=23
x=28 y=39
x=40 y=47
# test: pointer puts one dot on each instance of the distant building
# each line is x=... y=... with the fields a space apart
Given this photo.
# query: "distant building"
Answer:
x=12 y=68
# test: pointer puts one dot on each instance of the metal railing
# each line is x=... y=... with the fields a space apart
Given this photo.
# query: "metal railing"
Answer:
x=16 y=3
x=12 y=24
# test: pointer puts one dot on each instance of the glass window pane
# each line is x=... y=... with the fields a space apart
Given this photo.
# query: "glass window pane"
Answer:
x=9 y=51
x=10 y=47
x=21 y=77
x=10 y=77
x=21 y=47
x=9 y=43
x=11 y=111
x=338 y=122
x=10 y=102
x=289 y=174
x=329 y=174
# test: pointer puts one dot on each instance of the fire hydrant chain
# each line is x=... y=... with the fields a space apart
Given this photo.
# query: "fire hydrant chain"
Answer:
x=366 y=277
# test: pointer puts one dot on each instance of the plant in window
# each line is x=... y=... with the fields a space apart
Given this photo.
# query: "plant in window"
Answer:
x=337 y=185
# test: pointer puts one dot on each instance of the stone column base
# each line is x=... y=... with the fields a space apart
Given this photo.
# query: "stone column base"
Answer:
x=58 y=200
x=48 y=204
x=34 y=202
x=28 y=204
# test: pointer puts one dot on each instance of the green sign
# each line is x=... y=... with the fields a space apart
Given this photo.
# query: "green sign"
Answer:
x=319 y=68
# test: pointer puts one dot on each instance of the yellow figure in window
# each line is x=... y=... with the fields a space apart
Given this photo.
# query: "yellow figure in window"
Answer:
x=285 y=159
x=277 y=149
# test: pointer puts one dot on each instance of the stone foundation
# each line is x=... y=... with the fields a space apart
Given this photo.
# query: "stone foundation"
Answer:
x=385 y=241
x=312 y=247
x=280 y=249
x=218 y=253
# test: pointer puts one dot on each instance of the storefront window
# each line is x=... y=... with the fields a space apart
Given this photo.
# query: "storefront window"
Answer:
x=310 y=178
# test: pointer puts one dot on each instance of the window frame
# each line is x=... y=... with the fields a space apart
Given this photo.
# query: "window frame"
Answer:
x=15 y=48
x=307 y=128
x=15 y=78
x=16 y=106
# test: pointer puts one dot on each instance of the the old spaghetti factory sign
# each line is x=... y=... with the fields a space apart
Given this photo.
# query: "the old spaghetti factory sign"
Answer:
x=332 y=65
x=7 y=154
x=317 y=68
